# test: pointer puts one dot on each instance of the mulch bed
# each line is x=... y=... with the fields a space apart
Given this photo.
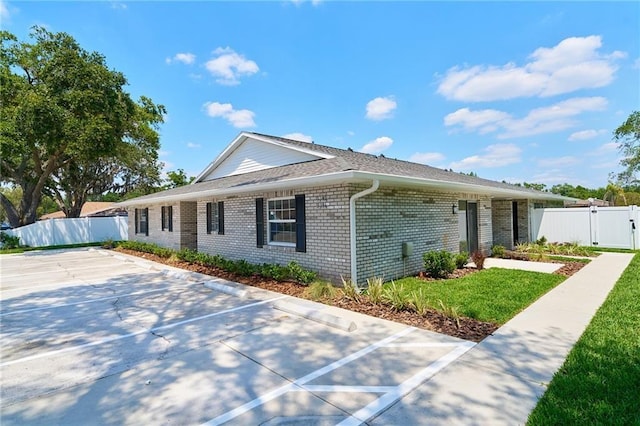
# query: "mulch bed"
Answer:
x=464 y=328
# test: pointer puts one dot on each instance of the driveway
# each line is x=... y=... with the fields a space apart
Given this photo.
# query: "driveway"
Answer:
x=89 y=337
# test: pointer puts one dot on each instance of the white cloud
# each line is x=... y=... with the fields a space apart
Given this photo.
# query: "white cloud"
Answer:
x=193 y=145
x=228 y=66
x=5 y=13
x=558 y=161
x=497 y=155
x=377 y=145
x=573 y=64
x=381 y=108
x=553 y=118
x=605 y=149
x=298 y=137
x=583 y=135
x=185 y=58
x=426 y=157
x=237 y=118
x=118 y=5
x=351 y=133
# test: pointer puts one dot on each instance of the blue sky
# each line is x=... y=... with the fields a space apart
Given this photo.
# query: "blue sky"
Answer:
x=516 y=91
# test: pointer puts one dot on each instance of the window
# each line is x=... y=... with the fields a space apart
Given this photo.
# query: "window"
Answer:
x=282 y=221
x=215 y=218
x=142 y=222
x=167 y=218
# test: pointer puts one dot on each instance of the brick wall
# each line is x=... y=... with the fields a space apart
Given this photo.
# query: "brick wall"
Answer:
x=391 y=216
x=523 y=220
x=156 y=234
x=502 y=223
x=327 y=228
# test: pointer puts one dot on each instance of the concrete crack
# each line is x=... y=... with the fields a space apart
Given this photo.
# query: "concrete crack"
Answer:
x=117 y=309
x=168 y=342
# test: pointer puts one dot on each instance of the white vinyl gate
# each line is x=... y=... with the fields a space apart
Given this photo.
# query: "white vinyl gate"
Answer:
x=615 y=227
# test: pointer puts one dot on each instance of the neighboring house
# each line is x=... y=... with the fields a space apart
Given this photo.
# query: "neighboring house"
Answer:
x=341 y=213
x=91 y=208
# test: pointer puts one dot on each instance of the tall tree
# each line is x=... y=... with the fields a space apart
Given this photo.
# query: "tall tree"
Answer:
x=62 y=110
x=177 y=178
x=628 y=135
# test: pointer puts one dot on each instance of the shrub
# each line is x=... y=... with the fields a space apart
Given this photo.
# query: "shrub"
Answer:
x=438 y=264
x=542 y=241
x=350 y=290
x=374 y=290
x=319 y=290
x=498 y=250
x=461 y=259
x=9 y=241
x=450 y=311
x=419 y=302
x=274 y=271
x=478 y=258
x=394 y=296
x=299 y=274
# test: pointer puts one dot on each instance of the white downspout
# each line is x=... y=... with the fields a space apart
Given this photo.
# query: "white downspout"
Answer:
x=352 y=228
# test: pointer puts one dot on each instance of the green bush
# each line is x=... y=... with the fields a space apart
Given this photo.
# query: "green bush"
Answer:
x=299 y=274
x=274 y=271
x=319 y=290
x=461 y=259
x=350 y=290
x=438 y=264
x=394 y=295
x=498 y=251
x=374 y=290
x=9 y=241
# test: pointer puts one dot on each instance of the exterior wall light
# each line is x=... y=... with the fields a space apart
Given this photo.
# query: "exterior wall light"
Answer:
x=454 y=209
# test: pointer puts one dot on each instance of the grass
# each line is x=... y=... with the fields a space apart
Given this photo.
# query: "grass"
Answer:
x=611 y=250
x=569 y=259
x=63 y=246
x=493 y=295
x=599 y=382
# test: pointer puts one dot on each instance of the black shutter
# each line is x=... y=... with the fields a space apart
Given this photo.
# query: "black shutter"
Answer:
x=170 y=211
x=301 y=227
x=163 y=212
x=209 y=206
x=259 y=222
x=221 y=217
x=146 y=223
x=136 y=218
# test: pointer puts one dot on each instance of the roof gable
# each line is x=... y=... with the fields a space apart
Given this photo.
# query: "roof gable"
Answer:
x=251 y=152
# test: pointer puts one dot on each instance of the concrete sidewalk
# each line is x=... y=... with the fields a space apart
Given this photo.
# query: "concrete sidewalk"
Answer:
x=501 y=379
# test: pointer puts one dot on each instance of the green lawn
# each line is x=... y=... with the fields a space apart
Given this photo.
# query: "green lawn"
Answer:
x=599 y=382
x=494 y=295
x=65 y=246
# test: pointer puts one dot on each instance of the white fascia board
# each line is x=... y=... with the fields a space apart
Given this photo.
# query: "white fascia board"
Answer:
x=349 y=177
x=240 y=139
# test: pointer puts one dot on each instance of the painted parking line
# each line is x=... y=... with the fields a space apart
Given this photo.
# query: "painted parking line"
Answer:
x=137 y=333
x=391 y=394
x=64 y=305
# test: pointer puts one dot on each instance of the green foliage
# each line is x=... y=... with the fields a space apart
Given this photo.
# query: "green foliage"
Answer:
x=394 y=295
x=461 y=259
x=478 y=258
x=177 y=179
x=450 y=311
x=498 y=250
x=350 y=290
x=9 y=241
x=599 y=380
x=418 y=302
x=69 y=129
x=321 y=290
x=537 y=251
x=628 y=136
x=541 y=241
x=438 y=264
x=299 y=274
x=241 y=267
x=375 y=290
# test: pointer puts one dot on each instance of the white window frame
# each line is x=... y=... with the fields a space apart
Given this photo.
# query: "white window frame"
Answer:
x=270 y=221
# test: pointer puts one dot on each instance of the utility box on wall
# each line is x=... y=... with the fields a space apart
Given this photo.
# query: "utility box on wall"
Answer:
x=407 y=249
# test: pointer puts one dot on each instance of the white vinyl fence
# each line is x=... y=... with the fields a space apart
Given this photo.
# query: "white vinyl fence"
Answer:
x=615 y=227
x=54 y=232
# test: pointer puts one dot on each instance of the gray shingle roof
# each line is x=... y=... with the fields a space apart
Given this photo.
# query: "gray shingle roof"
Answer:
x=342 y=160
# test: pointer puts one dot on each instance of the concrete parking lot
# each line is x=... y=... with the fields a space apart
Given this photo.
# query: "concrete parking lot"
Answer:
x=89 y=337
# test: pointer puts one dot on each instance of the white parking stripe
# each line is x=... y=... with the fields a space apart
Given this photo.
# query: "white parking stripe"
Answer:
x=380 y=404
x=125 y=336
x=115 y=296
x=422 y=345
x=350 y=389
x=305 y=379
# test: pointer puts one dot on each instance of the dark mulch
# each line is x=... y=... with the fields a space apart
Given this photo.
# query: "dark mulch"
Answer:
x=464 y=328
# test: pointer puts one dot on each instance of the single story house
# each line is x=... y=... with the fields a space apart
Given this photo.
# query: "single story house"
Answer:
x=268 y=199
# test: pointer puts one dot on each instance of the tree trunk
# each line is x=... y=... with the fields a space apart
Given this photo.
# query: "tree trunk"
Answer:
x=12 y=214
